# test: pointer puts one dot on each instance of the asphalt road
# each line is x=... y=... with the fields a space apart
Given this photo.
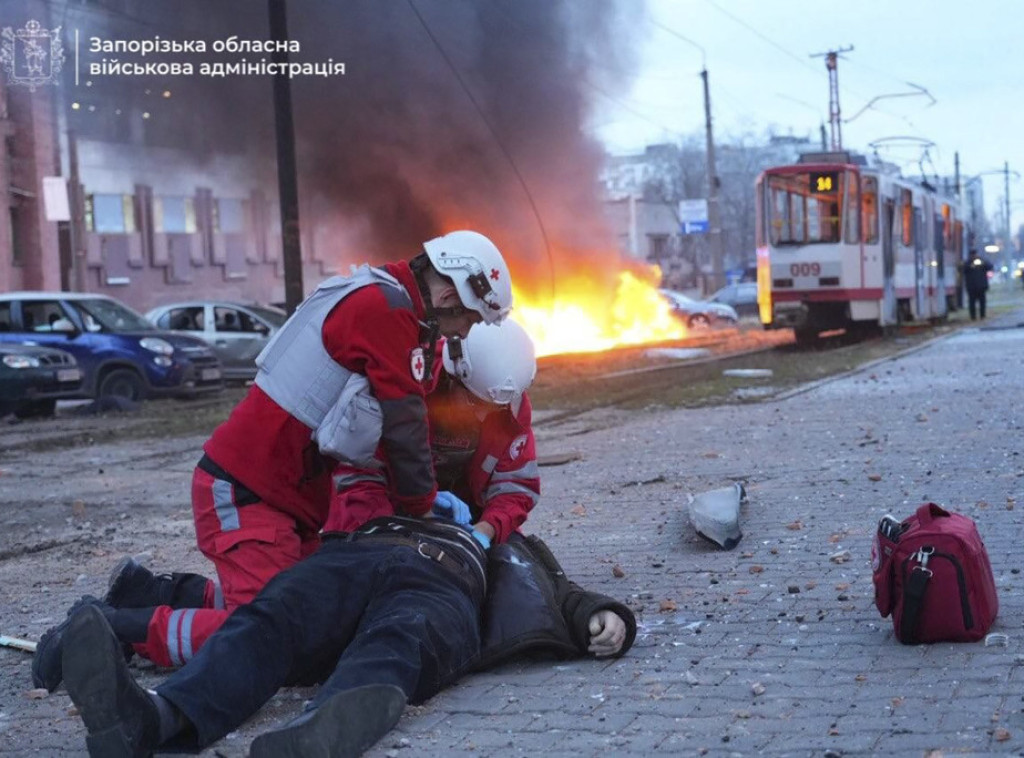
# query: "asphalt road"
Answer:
x=774 y=647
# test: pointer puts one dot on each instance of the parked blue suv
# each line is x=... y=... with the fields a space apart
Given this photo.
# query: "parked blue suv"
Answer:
x=120 y=353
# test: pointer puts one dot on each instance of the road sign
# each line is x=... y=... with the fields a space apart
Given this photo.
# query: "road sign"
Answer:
x=693 y=216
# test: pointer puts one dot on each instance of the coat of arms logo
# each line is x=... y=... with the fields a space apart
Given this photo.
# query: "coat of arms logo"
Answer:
x=32 y=56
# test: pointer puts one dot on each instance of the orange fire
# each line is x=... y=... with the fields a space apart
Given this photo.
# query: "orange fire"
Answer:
x=587 y=316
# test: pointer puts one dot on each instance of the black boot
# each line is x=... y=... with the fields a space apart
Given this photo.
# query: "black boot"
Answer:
x=345 y=726
x=132 y=585
x=121 y=717
x=131 y=624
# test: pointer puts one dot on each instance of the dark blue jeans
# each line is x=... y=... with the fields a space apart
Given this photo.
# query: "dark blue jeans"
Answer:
x=351 y=614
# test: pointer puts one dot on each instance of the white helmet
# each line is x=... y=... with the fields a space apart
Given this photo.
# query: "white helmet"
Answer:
x=477 y=269
x=496 y=363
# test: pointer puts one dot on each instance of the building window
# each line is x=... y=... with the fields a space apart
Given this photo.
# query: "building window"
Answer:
x=110 y=214
x=229 y=216
x=17 y=243
x=658 y=246
x=174 y=215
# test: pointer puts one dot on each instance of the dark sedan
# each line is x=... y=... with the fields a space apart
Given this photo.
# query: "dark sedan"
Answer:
x=32 y=379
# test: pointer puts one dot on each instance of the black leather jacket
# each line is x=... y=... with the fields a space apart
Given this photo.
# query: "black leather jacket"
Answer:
x=533 y=608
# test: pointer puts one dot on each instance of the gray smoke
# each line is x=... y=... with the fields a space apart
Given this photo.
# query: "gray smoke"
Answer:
x=399 y=149
x=402 y=147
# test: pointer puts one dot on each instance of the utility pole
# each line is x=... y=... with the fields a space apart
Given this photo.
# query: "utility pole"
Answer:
x=956 y=172
x=714 y=217
x=835 y=123
x=1006 y=185
x=287 y=181
x=76 y=226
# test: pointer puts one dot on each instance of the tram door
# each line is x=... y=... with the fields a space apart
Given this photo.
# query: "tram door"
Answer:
x=889 y=313
x=938 y=269
x=920 y=294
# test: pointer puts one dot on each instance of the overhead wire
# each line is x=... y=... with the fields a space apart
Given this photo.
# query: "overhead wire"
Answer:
x=497 y=138
x=804 y=63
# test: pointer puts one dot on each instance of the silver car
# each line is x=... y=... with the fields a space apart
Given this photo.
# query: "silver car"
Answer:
x=236 y=331
x=698 y=313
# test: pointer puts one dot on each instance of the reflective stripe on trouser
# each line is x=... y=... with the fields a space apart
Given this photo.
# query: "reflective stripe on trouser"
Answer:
x=175 y=635
x=248 y=544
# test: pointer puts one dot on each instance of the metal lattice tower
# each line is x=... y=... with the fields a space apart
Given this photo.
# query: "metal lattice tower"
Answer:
x=834 y=120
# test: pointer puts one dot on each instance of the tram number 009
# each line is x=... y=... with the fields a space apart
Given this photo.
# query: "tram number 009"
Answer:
x=804 y=269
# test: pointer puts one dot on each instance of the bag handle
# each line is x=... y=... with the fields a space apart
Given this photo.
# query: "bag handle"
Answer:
x=913 y=599
x=929 y=511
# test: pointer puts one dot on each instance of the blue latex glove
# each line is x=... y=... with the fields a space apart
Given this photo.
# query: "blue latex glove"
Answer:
x=483 y=539
x=447 y=505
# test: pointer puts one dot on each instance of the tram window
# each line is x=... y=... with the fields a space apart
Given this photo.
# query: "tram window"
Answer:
x=779 y=221
x=852 y=214
x=798 y=215
x=927 y=229
x=759 y=216
x=823 y=221
x=907 y=213
x=869 y=210
x=796 y=219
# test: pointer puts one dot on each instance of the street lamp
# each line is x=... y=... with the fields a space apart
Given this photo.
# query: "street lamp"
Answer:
x=1005 y=172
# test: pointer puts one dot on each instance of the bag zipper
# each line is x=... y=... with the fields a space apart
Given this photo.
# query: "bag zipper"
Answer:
x=922 y=555
x=961 y=580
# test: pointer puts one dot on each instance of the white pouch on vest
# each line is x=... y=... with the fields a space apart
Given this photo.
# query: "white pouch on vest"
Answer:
x=352 y=427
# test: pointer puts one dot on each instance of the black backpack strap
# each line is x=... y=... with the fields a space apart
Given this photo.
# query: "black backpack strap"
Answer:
x=913 y=598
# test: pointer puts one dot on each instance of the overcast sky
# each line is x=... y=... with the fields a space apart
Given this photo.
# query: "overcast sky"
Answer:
x=968 y=55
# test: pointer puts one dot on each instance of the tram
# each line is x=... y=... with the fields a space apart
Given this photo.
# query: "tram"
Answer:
x=844 y=243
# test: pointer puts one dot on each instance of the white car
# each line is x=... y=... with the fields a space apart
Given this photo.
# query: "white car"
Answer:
x=698 y=313
x=237 y=332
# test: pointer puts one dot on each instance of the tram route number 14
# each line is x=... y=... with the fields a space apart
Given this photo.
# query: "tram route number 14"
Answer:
x=824 y=182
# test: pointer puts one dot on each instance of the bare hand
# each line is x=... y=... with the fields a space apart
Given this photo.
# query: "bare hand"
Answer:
x=607 y=633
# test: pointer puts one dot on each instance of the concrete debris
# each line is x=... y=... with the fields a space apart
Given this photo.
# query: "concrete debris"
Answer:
x=17 y=643
x=716 y=515
x=677 y=353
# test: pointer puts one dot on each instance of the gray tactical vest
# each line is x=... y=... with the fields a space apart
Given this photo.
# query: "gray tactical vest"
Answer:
x=298 y=374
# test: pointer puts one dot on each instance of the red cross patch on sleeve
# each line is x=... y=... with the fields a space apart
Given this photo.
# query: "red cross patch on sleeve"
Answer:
x=416 y=364
x=517 y=446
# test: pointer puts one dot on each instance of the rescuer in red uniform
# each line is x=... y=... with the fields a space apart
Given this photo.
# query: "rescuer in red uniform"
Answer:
x=481 y=437
x=344 y=377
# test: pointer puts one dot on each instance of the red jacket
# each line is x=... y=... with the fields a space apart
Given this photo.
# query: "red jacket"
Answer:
x=370 y=332
x=499 y=478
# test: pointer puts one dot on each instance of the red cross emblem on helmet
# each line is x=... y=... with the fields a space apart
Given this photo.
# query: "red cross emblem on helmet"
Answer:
x=495 y=274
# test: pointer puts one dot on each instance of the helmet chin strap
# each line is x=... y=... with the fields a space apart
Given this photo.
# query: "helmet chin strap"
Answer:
x=430 y=328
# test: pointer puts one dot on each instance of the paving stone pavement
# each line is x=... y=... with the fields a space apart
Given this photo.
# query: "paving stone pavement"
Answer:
x=772 y=648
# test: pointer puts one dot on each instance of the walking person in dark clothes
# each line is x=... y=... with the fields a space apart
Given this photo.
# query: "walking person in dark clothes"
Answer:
x=976 y=270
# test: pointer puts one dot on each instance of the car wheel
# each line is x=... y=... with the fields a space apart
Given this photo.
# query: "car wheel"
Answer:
x=123 y=383
x=699 y=321
x=36 y=409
